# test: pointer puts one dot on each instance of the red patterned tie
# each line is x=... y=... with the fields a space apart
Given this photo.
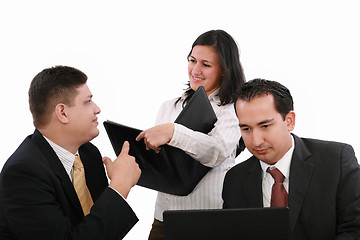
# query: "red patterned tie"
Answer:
x=279 y=196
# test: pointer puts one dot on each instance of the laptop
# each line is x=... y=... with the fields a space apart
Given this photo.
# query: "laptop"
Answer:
x=227 y=224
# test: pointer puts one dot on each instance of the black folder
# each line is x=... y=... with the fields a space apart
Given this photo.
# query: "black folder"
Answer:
x=171 y=170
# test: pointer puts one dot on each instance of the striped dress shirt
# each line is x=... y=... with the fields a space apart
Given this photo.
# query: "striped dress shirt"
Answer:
x=216 y=149
x=66 y=158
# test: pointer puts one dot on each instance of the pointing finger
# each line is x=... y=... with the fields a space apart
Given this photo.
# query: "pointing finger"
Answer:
x=140 y=136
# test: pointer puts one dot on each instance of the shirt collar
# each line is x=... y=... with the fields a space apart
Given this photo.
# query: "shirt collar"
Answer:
x=214 y=96
x=66 y=158
x=283 y=164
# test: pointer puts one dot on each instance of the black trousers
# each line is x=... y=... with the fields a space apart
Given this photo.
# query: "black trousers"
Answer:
x=157 y=230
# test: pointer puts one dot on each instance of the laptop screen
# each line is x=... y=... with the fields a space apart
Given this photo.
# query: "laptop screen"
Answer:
x=249 y=223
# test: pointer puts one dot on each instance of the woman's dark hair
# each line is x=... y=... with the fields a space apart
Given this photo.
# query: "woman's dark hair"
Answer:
x=228 y=54
x=50 y=87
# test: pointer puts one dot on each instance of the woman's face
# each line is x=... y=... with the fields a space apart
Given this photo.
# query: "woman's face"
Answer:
x=204 y=69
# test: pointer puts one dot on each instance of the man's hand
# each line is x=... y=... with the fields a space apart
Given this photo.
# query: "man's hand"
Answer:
x=124 y=172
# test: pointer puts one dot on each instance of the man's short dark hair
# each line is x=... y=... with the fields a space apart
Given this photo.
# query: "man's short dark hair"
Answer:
x=50 y=87
x=282 y=96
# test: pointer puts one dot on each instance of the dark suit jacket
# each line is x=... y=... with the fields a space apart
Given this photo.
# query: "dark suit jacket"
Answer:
x=324 y=190
x=38 y=200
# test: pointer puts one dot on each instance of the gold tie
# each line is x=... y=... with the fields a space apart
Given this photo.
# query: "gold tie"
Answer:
x=80 y=186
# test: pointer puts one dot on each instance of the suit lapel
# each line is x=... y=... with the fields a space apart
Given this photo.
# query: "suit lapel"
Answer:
x=301 y=169
x=92 y=171
x=57 y=168
x=253 y=185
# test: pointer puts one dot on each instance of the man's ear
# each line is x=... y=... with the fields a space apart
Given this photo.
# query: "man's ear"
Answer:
x=61 y=113
x=290 y=120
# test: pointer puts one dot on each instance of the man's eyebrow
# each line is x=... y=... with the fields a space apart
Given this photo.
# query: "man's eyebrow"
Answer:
x=88 y=97
x=260 y=123
x=265 y=121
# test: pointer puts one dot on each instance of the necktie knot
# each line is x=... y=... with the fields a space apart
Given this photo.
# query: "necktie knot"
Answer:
x=77 y=163
x=276 y=174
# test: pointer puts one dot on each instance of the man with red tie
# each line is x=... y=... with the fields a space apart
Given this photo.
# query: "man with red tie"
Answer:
x=318 y=180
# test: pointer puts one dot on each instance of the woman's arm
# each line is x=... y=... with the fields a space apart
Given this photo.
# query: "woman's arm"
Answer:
x=210 y=149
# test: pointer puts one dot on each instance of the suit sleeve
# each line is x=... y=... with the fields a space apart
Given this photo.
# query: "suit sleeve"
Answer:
x=232 y=189
x=225 y=194
x=32 y=207
x=110 y=208
x=348 y=197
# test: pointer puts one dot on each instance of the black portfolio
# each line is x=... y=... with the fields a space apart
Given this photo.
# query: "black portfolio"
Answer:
x=171 y=170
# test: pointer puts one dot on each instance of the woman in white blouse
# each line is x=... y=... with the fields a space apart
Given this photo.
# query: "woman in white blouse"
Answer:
x=214 y=63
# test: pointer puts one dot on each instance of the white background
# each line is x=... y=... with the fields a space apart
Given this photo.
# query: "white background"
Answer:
x=134 y=53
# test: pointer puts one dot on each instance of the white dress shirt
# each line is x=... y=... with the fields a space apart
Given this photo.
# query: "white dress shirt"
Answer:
x=284 y=167
x=216 y=149
x=66 y=158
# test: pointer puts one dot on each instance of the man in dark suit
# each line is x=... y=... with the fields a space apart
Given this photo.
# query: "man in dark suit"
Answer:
x=322 y=178
x=37 y=197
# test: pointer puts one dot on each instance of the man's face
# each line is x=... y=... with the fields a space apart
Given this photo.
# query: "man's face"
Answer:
x=265 y=133
x=83 y=115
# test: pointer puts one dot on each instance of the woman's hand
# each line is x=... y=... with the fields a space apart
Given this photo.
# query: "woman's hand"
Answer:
x=156 y=136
